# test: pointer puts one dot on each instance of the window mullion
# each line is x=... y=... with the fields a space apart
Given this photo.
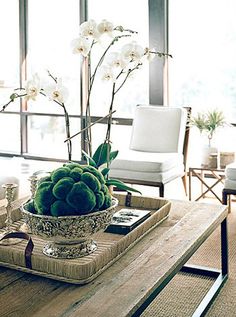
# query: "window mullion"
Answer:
x=23 y=21
x=158 y=38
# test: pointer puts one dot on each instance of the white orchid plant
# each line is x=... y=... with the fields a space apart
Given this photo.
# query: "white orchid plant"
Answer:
x=115 y=66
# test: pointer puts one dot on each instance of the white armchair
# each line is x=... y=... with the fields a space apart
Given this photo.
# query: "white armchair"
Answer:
x=156 y=153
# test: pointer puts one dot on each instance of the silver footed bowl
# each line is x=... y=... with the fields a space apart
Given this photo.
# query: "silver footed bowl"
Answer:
x=69 y=237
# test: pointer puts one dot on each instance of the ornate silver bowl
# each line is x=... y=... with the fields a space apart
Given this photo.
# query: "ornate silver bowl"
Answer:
x=69 y=237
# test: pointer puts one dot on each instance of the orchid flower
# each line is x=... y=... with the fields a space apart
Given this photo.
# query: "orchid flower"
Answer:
x=107 y=74
x=115 y=59
x=89 y=29
x=132 y=51
x=32 y=88
x=105 y=27
x=57 y=92
x=81 y=46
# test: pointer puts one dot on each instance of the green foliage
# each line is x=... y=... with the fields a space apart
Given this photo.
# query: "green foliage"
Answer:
x=73 y=165
x=59 y=173
x=90 y=161
x=61 y=208
x=105 y=171
x=82 y=198
x=95 y=172
x=119 y=184
x=76 y=173
x=62 y=188
x=91 y=181
x=71 y=190
x=208 y=122
x=113 y=155
x=107 y=201
x=104 y=155
x=100 y=198
x=30 y=207
x=44 y=198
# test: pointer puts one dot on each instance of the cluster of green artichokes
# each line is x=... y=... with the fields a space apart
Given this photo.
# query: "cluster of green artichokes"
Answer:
x=72 y=189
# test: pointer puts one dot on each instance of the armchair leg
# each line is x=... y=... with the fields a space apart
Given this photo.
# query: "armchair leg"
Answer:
x=161 y=190
x=184 y=180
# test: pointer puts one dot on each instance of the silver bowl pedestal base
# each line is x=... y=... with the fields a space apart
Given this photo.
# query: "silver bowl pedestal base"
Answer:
x=69 y=251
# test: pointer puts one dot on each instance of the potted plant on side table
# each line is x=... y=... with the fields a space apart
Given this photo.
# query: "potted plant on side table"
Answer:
x=208 y=123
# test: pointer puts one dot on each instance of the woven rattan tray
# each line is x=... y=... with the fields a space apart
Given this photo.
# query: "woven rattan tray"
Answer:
x=83 y=270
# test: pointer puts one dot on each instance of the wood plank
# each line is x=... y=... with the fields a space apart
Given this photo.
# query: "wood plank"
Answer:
x=23 y=296
x=8 y=277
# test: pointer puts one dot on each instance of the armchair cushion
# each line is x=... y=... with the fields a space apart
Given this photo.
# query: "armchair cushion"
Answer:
x=230 y=171
x=230 y=177
x=158 y=129
x=230 y=184
x=153 y=177
x=146 y=161
x=147 y=166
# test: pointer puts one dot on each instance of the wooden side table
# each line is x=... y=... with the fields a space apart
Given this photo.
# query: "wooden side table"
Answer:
x=200 y=172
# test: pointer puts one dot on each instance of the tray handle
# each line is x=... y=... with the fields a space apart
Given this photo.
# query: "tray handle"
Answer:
x=29 y=247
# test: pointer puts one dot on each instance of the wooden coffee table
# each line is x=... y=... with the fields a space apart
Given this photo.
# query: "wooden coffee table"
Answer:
x=128 y=286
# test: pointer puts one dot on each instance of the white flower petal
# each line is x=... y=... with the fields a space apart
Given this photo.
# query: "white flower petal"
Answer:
x=114 y=59
x=32 y=87
x=89 y=29
x=56 y=92
x=105 y=27
x=132 y=51
x=81 y=46
x=106 y=73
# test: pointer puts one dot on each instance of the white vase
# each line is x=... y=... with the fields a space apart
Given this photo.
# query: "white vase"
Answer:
x=205 y=154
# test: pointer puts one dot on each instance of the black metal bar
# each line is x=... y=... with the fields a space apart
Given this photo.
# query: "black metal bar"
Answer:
x=154 y=294
x=224 y=247
x=210 y=296
x=161 y=190
x=224 y=197
x=201 y=270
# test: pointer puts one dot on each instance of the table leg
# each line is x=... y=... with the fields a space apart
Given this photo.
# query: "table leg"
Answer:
x=190 y=183
x=202 y=185
x=221 y=277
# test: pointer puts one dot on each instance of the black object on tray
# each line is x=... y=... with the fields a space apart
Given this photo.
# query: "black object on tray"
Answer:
x=125 y=220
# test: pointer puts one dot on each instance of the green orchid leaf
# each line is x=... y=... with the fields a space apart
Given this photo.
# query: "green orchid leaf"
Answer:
x=105 y=171
x=113 y=155
x=101 y=155
x=90 y=161
x=121 y=185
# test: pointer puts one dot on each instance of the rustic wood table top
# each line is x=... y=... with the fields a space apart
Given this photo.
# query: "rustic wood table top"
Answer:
x=124 y=286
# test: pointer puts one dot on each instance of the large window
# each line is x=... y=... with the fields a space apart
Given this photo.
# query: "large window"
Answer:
x=202 y=73
x=202 y=38
x=37 y=39
x=49 y=49
x=47 y=27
